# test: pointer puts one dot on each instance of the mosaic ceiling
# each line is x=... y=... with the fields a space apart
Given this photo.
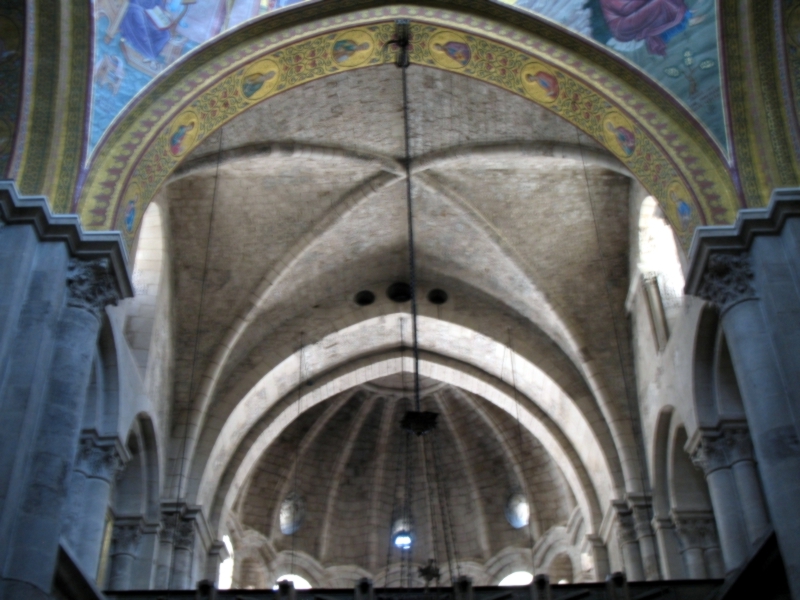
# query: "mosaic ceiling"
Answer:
x=674 y=41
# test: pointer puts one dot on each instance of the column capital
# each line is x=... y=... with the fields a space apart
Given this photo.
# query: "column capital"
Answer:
x=184 y=535
x=126 y=537
x=709 y=454
x=626 y=522
x=727 y=279
x=738 y=444
x=100 y=458
x=695 y=529
x=91 y=285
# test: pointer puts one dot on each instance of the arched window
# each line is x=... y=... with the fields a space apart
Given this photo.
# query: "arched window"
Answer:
x=146 y=284
x=660 y=266
x=300 y=583
x=226 y=566
x=517 y=578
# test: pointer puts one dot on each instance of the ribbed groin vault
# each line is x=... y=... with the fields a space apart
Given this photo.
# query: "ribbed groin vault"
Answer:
x=216 y=216
x=286 y=387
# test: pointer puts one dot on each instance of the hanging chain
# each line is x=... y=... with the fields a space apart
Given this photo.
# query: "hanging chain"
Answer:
x=402 y=40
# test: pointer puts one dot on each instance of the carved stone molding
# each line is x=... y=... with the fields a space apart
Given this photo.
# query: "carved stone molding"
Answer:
x=16 y=209
x=91 y=285
x=727 y=279
x=99 y=458
x=126 y=538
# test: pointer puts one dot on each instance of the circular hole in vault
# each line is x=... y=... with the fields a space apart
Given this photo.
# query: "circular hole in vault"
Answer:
x=364 y=298
x=437 y=296
x=399 y=292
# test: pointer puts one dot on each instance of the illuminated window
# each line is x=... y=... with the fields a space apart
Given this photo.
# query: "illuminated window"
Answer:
x=300 y=583
x=518 y=578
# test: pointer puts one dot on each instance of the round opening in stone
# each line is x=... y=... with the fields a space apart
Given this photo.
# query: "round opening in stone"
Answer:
x=437 y=296
x=399 y=292
x=292 y=513
x=364 y=298
x=518 y=512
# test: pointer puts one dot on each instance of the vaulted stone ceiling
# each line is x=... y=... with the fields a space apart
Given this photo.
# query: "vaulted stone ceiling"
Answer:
x=279 y=219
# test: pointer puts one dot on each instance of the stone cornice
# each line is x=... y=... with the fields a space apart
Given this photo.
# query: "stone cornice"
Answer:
x=16 y=209
x=737 y=238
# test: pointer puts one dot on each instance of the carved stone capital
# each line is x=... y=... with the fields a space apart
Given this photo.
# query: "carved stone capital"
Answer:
x=695 y=530
x=100 y=459
x=738 y=444
x=90 y=285
x=710 y=454
x=126 y=538
x=184 y=535
x=728 y=278
x=169 y=524
x=627 y=523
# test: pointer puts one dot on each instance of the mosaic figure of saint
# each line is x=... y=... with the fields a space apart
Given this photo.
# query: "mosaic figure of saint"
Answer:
x=255 y=81
x=344 y=49
x=176 y=141
x=456 y=50
x=546 y=81
x=142 y=31
x=624 y=136
x=130 y=215
x=684 y=210
x=654 y=21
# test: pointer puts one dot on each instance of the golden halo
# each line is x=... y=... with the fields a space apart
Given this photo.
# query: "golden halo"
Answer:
x=259 y=79
x=183 y=132
x=352 y=48
x=619 y=135
x=540 y=82
x=450 y=50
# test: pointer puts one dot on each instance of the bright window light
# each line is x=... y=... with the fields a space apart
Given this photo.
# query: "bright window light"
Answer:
x=226 y=566
x=402 y=540
x=518 y=578
x=300 y=583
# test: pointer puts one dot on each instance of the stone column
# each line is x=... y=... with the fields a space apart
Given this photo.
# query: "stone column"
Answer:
x=125 y=549
x=671 y=563
x=641 y=508
x=600 y=561
x=144 y=570
x=182 y=555
x=690 y=528
x=739 y=448
x=99 y=461
x=629 y=542
x=710 y=455
x=169 y=524
x=33 y=543
x=728 y=283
